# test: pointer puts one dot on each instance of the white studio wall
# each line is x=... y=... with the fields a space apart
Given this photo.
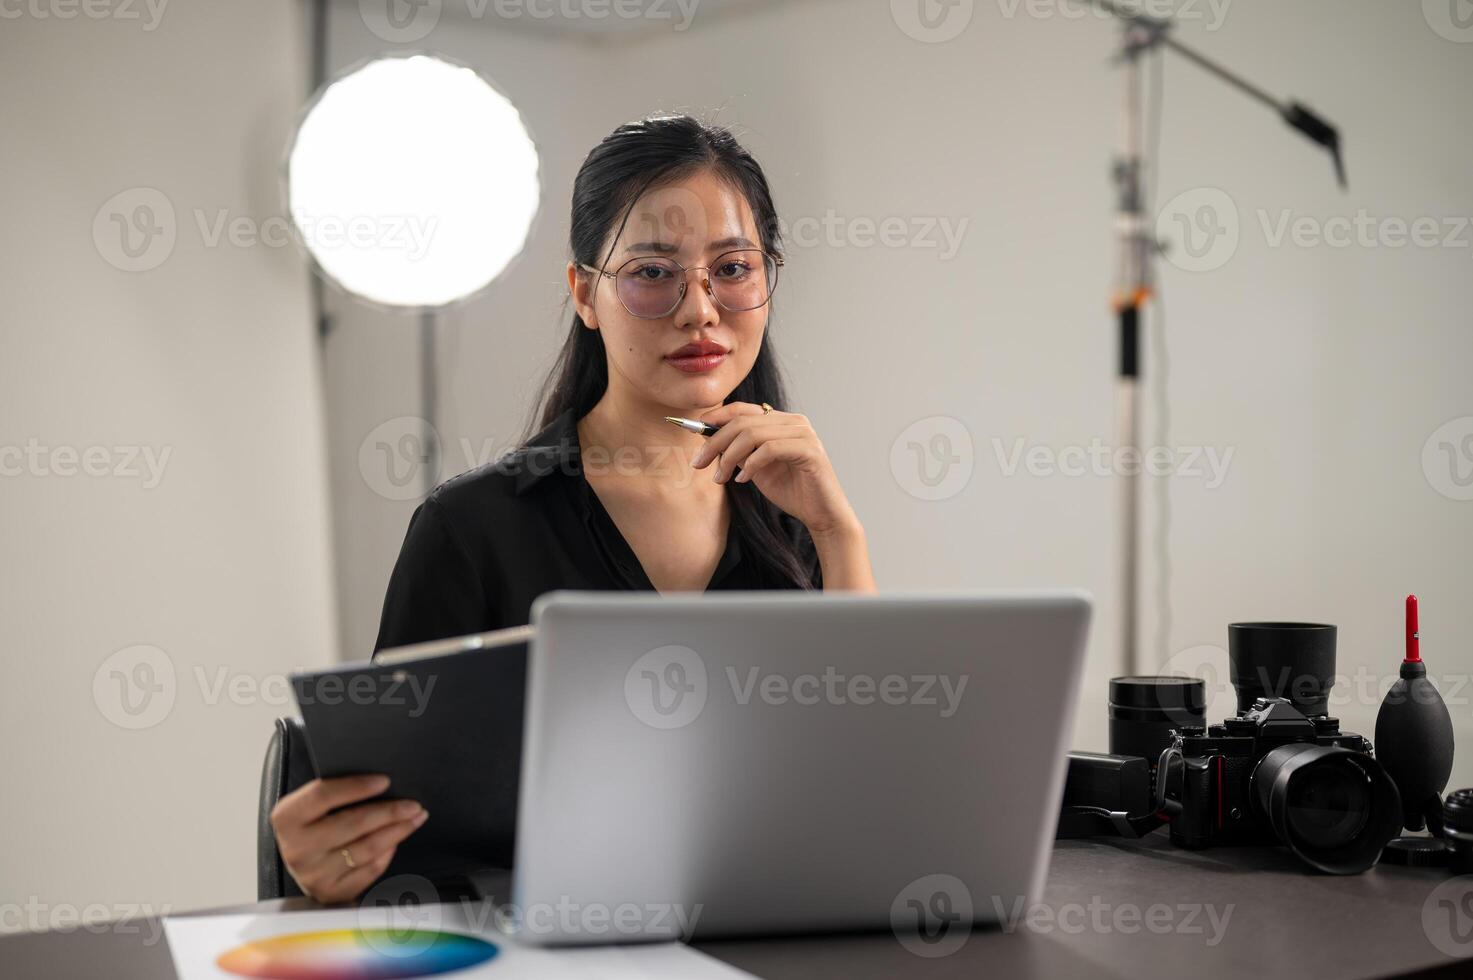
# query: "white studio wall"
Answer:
x=167 y=547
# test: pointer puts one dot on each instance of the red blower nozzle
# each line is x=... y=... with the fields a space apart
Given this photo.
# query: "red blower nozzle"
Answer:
x=1414 y=647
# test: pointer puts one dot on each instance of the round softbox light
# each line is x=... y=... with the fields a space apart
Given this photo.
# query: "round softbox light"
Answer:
x=412 y=181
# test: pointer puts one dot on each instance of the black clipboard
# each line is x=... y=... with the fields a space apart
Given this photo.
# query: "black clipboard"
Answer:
x=444 y=721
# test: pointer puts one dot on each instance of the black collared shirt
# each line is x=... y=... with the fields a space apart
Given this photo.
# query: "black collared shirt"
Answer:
x=485 y=544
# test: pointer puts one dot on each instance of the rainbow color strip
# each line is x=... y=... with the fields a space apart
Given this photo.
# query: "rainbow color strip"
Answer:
x=356 y=954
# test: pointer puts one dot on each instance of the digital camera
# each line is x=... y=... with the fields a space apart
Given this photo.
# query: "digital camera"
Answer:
x=1275 y=775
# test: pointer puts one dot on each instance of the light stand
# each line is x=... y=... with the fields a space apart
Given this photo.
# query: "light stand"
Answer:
x=1137 y=249
x=429 y=393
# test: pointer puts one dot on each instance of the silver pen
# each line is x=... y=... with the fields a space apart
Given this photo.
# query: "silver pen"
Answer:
x=700 y=428
x=694 y=425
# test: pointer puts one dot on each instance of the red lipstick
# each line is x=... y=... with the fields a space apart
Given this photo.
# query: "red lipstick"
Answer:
x=697 y=357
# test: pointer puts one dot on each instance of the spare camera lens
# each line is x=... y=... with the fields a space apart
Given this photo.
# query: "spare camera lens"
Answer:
x=1334 y=808
x=1145 y=710
x=1457 y=815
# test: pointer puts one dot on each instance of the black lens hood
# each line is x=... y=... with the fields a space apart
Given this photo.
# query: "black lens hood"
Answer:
x=1285 y=765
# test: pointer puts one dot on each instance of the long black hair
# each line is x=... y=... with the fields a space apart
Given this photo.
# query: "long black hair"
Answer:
x=636 y=157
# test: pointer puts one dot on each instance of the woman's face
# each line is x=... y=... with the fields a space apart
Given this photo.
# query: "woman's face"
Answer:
x=691 y=221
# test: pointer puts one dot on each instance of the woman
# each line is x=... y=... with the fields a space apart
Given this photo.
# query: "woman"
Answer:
x=608 y=494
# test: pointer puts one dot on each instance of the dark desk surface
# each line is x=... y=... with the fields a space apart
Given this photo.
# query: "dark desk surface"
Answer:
x=1125 y=909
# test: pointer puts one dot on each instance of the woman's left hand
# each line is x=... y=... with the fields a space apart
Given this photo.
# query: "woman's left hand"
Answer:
x=780 y=453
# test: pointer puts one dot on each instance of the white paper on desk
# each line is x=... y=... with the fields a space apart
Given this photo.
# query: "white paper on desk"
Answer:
x=196 y=942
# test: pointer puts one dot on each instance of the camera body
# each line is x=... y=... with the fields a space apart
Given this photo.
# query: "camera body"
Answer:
x=1214 y=783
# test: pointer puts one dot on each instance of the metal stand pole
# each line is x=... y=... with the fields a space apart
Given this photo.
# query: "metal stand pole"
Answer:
x=429 y=397
x=319 y=79
x=1133 y=290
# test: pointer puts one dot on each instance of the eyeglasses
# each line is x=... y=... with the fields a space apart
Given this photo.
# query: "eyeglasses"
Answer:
x=650 y=286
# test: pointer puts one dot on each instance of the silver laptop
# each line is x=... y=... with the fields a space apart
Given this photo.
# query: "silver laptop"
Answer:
x=701 y=764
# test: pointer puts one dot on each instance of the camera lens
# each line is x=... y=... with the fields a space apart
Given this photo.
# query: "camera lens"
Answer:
x=1145 y=710
x=1328 y=804
x=1334 y=808
x=1282 y=660
x=1457 y=815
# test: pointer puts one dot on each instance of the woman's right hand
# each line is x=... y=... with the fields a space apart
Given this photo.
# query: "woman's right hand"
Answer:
x=335 y=854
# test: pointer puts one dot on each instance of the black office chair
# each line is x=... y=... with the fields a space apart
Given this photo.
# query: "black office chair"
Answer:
x=286 y=767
